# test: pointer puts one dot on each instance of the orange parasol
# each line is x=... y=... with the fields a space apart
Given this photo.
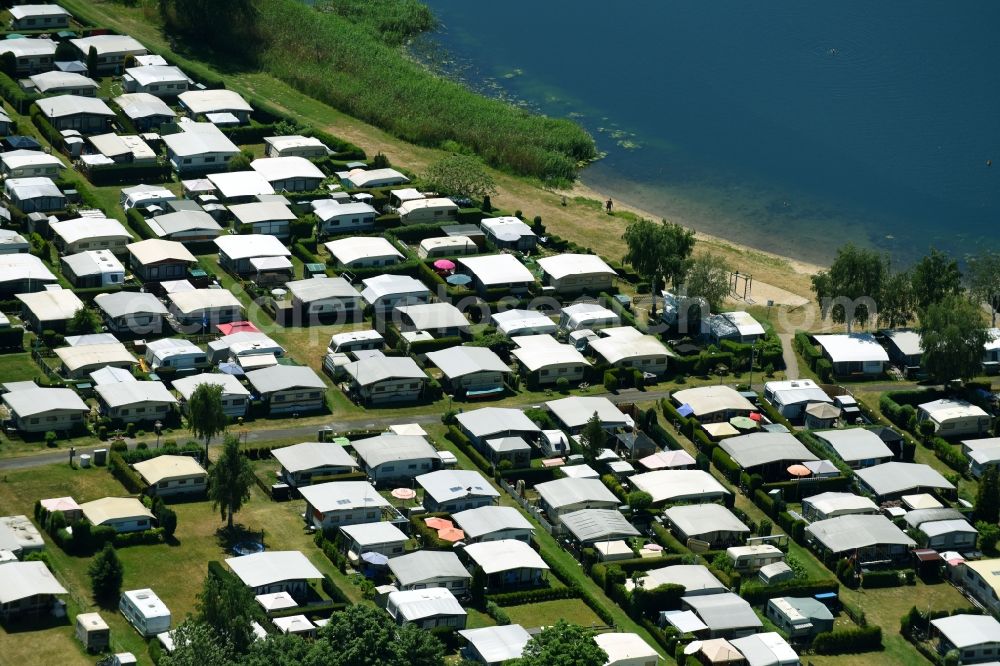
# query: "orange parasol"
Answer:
x=451 y=534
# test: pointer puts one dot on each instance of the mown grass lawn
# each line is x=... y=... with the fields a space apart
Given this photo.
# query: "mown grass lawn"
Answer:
x=549 y=612
x=885 y=607
x=175 y=571
x=19 y=367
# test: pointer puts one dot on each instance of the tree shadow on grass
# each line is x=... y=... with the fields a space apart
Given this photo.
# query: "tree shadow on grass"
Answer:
x=230 y=538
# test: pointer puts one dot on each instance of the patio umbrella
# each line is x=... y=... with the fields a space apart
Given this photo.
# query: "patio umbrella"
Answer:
x=743 y=423
x=458 y=280
x=799 y=470
x=444 y=265
x=438 y=523
x=404 y=493
x=685 y=410
x=451 y=534
x=231 y=369
x=755 y=416
x=375 y=559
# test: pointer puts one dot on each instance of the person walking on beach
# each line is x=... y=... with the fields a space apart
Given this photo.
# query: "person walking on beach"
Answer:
x=608 y=205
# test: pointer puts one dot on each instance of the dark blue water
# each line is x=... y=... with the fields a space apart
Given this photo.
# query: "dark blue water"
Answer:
x=789 y=125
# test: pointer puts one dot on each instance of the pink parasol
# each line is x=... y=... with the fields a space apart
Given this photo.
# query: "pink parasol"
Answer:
x=444 y=265
x=404 y=493
x=755 y=416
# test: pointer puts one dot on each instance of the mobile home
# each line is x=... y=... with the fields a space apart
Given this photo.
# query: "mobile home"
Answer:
x=144 y=611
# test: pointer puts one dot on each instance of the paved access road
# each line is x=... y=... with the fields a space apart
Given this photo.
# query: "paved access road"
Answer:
x=308 y=433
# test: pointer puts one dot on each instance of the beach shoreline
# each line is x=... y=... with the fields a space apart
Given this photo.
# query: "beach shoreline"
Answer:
x=581 y=189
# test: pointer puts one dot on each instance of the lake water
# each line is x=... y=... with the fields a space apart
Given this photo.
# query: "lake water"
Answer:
x=788 y=125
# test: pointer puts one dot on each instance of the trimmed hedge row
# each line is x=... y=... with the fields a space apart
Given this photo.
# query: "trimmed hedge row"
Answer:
x=790 y=489
x=725 y=464
x=847 y=641
x=534 y=596
x=128 y=173
x=45 y=128
x=758 y=593
x=127 y=476
x=876 y=579
x=429 y=536
x=14 y=95
x=455 y=436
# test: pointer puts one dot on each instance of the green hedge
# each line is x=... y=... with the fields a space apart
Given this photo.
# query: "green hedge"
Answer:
x=951 y=455
x=244 y=134
x=437 y=344
x=118 y=174
x=45 y=128
x=847 y=641
x=668 y=540
x=726 y=465
x=429 y=536
x=806 y=349
x=125 y=474
x=12 y=339
x=757 y=593
x=531 y=476
x=14 y=95
x=302 y=252
x=877 y=579
x=455 y=436
x=790 y=489
x=533 y=596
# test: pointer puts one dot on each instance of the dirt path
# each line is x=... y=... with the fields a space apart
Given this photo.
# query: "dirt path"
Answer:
x=788 y=354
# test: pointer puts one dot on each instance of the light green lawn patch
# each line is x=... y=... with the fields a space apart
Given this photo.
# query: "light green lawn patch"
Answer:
x=174 y=571
x=549 y=612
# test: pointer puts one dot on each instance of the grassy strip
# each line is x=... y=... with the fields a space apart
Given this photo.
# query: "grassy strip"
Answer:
x=354 y=67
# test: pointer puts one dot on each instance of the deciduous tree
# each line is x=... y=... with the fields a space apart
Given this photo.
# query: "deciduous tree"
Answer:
x=896 y=306
x=198 y=644
x=364 y=635
x=849 y=290
x=935 y=277
x=84 y=321
x=230 y=480
x=462 y=175
x=206 y=417
x=563 y=644
x=983 y=279
x=228 y=606
x=659 y=251
x=709 y=279
x=953 y=334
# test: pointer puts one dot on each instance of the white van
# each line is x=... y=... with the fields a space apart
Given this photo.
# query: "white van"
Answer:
x=144 y=610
